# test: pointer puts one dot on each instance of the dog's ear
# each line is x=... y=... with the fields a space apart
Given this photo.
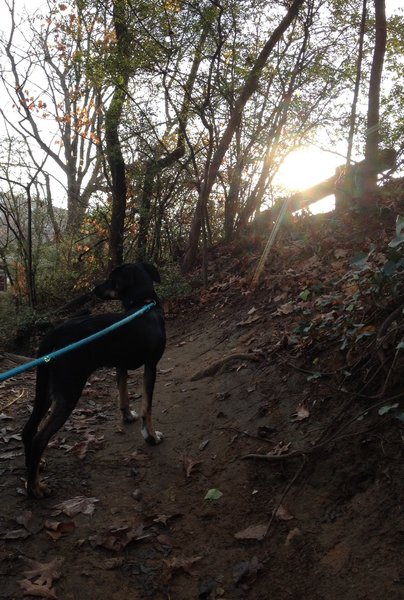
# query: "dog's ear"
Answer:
x=152 y=271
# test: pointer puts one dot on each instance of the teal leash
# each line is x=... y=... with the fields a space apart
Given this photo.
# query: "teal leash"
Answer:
x=48 y=357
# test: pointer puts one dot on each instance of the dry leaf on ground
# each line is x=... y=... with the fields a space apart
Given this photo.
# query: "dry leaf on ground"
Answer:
x=40 y=577
x=254 y=532
x=283 y=514
x=302 y=413
x=56 y=529
x=246 y=571
x=178 y=565
x=118 y=537
x=91 y=443
x=74 y=506
x=189 y=463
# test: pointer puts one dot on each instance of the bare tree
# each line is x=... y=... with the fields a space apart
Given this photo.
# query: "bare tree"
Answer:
x=68 y=103
x=249 y=87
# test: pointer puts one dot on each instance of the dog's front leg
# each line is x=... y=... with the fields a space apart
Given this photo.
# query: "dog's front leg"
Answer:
x=122 y=380
x=148 y=432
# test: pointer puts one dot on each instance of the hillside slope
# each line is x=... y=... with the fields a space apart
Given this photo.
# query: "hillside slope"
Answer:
x=265 y=396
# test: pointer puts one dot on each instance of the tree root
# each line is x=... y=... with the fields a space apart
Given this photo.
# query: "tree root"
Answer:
x=220 y=364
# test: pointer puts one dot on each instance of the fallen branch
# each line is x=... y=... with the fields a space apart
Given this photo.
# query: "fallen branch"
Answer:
x=321 y=443
x=216 y=366
x=277 y=457
x=284 y=493
x=14 y=400
x=14 y=358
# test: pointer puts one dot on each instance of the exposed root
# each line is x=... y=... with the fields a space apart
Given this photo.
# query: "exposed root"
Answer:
x=220 y=364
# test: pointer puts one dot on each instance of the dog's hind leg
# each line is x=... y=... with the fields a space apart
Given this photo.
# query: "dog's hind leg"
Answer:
x=128 y=415
x=149 y=378
x=41 y=406
x=62 y=406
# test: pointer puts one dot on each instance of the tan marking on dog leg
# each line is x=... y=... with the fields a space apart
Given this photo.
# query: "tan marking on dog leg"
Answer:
x=151 y=436
x=128 y=415
x=37 y=488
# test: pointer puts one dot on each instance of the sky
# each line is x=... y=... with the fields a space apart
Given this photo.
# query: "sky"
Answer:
x=301 y=169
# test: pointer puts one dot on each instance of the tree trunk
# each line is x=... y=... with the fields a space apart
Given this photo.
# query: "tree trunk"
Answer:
x=31 y=287
x=232 y=199
x=344 y=197
x=249 y=87
x=154 y=166
x=373 y=125
x=352 y=120
x=115 y=157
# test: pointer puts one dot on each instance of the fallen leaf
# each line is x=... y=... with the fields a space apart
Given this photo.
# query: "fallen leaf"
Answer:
x=213 y=494
x=118 y=537
x=246 y=571
x=6 y=434
x=340 y=253
x=56 y=529
x=40 y=577
x=37 y=590
x=304 y=295
x=279 y=449
x=4 y=417
x=283 y=514
x=189 y=463
x=251 y=319
x=113 y=563
x=286 y=309
x=11 y=454
x=280 y=297
x=91 y=443
x=164 y=540
x=16 y=534
x=137 y=456
x=337 y=557
x=25 y=519
x=45 y=572
x=163 y=519
x=74 y=506
x=254 y=532
x=293 y=534
x=302 y=413
x=177 y=565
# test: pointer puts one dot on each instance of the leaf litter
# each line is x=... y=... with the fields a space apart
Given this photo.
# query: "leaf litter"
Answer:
x=40 y=577
x=74 y=506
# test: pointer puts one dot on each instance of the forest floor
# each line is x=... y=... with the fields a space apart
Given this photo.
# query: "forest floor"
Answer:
x=317 y=515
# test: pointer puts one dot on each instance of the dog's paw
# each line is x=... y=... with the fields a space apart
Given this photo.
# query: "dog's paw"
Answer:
x=38 y=490
x=129 y=416
x=153 y=439
x=159 y=437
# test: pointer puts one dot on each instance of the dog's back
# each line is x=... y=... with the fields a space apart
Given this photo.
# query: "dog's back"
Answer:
x=128 y=347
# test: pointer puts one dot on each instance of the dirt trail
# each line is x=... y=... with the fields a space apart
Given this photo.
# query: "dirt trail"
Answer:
x=339 y=527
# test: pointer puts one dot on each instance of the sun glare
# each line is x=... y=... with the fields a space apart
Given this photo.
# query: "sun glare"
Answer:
x=307 y=167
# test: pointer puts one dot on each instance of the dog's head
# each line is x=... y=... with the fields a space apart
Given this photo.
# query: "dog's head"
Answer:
x=131 y=283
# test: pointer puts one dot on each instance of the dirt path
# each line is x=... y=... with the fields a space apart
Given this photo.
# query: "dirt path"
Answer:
x=338 y=532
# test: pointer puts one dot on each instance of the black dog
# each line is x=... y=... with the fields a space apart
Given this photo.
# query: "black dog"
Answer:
x=60 y=382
